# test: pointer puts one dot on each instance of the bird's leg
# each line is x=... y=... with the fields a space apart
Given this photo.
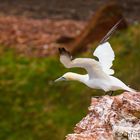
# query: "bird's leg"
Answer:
x=110 y=93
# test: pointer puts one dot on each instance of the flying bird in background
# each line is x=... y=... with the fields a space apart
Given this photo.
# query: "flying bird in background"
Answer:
x=99 y=73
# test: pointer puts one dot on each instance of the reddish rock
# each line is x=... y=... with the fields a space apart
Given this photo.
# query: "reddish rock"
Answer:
x=34 y=36
x=43 y=37
x=110 y=118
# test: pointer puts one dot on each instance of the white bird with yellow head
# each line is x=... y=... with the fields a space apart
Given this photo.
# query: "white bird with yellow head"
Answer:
x=99 y=73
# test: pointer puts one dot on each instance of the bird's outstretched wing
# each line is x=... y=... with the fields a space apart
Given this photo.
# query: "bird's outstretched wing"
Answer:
x=105 y=53
x=90 y=65
x=106 y=56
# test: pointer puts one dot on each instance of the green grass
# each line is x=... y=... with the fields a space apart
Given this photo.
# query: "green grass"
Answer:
x=33 y=107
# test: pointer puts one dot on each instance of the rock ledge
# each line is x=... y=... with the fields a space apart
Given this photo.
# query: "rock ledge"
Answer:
x=110 y=118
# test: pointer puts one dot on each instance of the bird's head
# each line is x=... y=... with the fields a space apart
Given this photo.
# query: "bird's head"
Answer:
x=67 y=76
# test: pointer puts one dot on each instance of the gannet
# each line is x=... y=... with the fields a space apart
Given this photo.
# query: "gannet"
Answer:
x=99 y=73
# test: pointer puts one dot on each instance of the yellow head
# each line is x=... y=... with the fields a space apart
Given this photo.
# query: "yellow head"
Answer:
x=67 y=76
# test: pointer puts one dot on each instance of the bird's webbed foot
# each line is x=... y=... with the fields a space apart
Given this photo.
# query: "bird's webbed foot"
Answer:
x=97 y=97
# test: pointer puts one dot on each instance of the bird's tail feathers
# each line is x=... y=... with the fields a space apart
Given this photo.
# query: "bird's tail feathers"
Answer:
x=127 y=88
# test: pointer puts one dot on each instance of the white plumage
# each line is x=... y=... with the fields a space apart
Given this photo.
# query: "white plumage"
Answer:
x=106 y=56
x=98 y=72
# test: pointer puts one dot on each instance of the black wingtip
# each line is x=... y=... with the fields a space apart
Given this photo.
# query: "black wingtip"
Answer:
x=63 y=51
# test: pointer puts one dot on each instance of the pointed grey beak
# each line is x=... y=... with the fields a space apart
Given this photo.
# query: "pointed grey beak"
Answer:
x=60 y=79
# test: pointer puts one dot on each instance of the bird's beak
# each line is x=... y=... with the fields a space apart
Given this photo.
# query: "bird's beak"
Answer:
x=60 y=79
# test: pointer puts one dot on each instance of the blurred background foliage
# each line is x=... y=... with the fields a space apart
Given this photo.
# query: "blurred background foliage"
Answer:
x=33 y=107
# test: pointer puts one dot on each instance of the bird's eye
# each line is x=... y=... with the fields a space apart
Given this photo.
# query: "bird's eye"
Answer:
x=63 y=78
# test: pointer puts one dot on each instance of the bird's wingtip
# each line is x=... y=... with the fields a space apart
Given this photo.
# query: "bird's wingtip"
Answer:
x=63 y=51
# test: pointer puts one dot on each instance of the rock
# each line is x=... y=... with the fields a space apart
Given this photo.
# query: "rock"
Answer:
x=110 y=118
x=29 y=36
